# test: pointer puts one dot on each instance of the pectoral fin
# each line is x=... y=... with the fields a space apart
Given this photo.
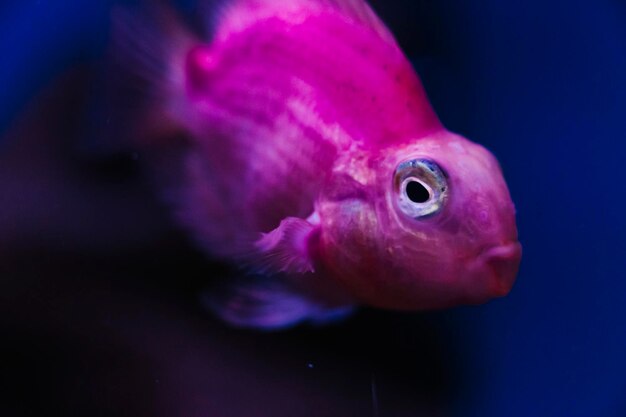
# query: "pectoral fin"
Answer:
x=267 y=294
x=285 y=249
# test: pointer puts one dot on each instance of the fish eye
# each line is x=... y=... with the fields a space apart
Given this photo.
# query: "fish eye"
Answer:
x=421 y=188
x=416 y=191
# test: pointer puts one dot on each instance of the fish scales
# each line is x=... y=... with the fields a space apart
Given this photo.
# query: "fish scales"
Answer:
x=314 y=161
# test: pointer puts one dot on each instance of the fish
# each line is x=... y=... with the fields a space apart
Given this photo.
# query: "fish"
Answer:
x=294 y=140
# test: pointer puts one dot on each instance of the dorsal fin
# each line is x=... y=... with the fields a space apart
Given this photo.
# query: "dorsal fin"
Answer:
x=361 y=12
x=236 y=15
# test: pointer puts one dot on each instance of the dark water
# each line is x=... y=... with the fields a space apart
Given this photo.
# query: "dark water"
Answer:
x=98 y=291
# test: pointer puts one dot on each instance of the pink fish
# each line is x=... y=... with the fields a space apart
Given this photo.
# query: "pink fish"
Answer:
x=313 y=159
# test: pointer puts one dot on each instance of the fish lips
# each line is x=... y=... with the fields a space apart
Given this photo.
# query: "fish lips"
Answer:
x=497 y=267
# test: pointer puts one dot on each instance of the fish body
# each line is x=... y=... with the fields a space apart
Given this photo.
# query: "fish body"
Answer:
x=313 y=158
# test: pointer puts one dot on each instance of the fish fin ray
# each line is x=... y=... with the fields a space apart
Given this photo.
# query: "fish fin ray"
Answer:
x=267 y=303
x=284 y=249
x=239 y=14
x=149 y=46
x=360 y=11
x=151 y=42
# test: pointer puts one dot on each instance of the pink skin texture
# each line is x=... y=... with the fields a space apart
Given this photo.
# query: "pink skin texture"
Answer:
x=298 y=117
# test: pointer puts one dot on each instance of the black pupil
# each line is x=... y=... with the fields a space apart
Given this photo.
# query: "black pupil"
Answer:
x=416 y=192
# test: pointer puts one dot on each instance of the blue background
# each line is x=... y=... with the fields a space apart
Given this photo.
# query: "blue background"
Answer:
x=543 y=85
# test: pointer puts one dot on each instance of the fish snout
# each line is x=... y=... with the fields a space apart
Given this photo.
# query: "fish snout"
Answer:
x=498 y=265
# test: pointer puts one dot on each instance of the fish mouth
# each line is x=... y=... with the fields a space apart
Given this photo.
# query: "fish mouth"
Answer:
x=498 y=265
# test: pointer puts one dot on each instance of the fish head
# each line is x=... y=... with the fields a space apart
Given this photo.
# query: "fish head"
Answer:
x=436 y=229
